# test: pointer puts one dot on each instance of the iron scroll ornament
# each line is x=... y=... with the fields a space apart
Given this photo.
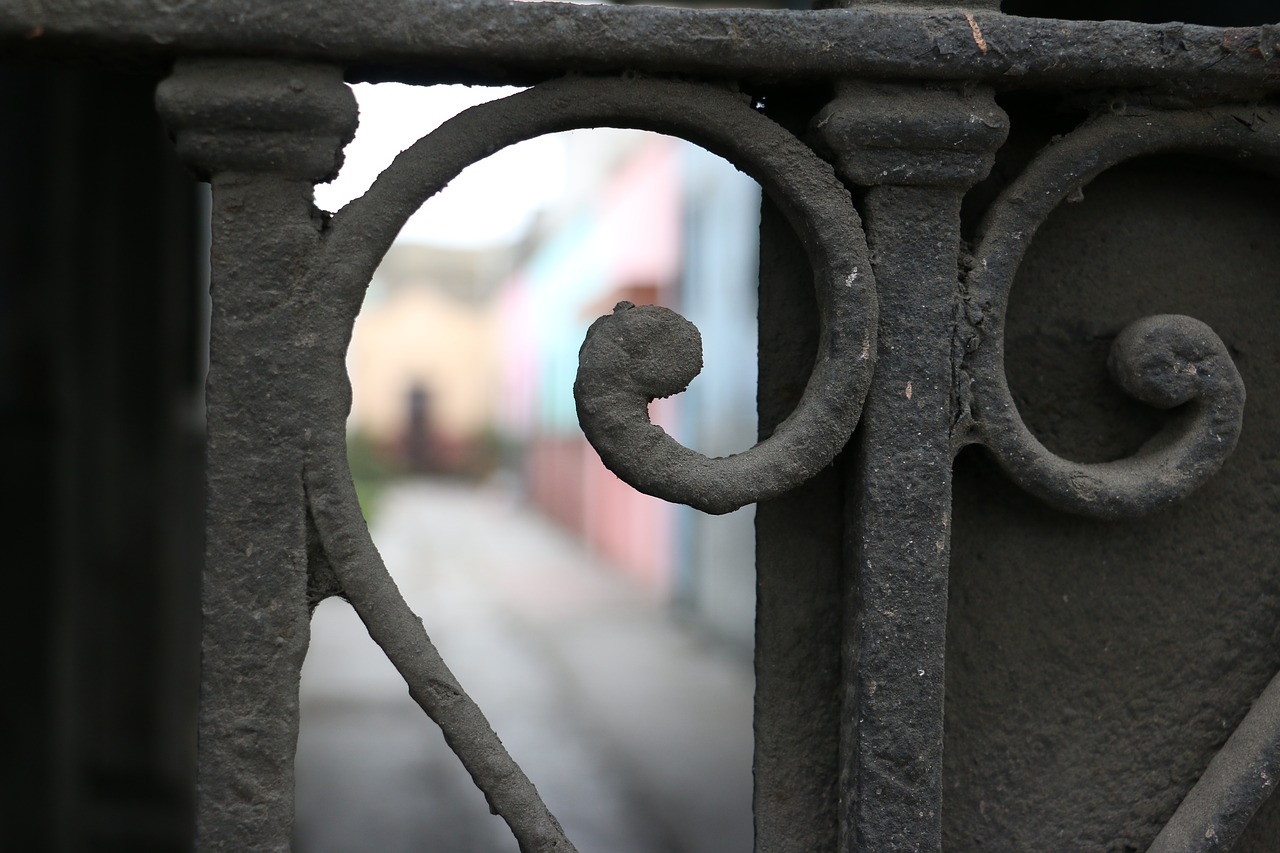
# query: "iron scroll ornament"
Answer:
x=725 y=123
x=1166 y=361
x=638 y=354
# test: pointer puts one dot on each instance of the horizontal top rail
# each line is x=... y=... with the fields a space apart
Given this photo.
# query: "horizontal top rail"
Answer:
x=487 y=41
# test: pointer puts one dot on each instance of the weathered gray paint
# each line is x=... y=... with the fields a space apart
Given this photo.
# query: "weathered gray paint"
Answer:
x=288 y=122
x=799 y=578
x=1121 y=654
x=864 y=615
x=496 y=42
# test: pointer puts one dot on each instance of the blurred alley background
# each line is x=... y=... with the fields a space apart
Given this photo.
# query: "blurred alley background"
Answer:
x=606 y=634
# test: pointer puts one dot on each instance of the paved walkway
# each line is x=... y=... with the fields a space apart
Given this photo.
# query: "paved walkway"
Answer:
x=636 y=732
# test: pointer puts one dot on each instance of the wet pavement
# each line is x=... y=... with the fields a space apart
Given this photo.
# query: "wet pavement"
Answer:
x=635 y=727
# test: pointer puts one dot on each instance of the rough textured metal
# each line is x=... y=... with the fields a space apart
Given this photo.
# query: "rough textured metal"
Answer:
x=279 y=343
x=352 y=245
x=1237 y=781
x=854 y=588
x=639 y=354
x=799 y=570
x=260 y=388
x=614 y=415
x=1095 y=667
x=1164 y=361
x=516 y=42
x=900 y=484
x=942 y=140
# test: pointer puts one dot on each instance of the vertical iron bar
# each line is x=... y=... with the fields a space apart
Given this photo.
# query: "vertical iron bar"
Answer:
x=916 y=150
x=263 y=133
x=254 y=599
x=900 y=489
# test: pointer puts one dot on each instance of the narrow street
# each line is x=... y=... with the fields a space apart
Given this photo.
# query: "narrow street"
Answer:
x=634 y=727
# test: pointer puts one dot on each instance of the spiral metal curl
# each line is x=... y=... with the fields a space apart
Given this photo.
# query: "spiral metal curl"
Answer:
x=359 y=235
x=640 y=353
x=1166 y=361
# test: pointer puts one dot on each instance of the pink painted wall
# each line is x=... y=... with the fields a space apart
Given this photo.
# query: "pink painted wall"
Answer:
x=638 y=218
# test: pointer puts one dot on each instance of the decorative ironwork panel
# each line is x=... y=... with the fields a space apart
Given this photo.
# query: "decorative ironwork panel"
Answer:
x=886 y=290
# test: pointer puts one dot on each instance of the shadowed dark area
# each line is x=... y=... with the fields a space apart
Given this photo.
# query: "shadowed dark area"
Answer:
x=100 y=386
x=1240 y=13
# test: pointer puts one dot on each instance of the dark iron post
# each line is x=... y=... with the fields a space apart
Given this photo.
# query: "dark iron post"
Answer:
x=263 y=133
x=917 y=151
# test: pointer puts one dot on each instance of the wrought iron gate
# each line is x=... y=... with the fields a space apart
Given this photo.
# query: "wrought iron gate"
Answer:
x=886 y=283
